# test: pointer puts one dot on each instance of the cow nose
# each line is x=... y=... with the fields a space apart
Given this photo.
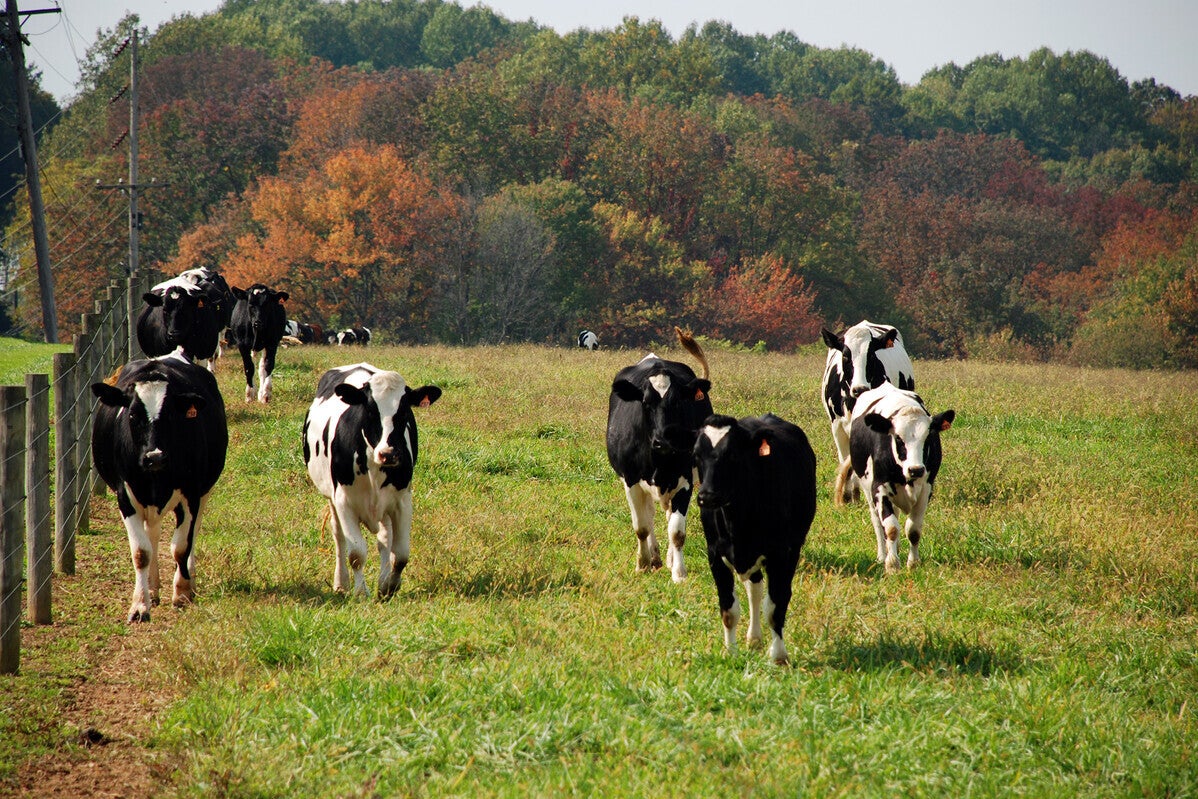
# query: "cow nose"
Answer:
x=915 y=472
x=857 y=391
x=386 y=456
x=658 y=443
x=153 y=461
x=709 y=499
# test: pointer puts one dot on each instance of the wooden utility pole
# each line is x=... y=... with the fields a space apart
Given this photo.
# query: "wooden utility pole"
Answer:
x=134 y=213
x=14 y=40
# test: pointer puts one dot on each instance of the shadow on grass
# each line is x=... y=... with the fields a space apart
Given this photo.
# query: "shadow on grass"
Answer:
x=824 y=560
x=934 y=655
x=305 y=592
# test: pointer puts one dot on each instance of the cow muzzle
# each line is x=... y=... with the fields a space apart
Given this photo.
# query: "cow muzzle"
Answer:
x=153 y=461
x=914 y=473
x=710 y=500
x=858 y=389
x=387 y=456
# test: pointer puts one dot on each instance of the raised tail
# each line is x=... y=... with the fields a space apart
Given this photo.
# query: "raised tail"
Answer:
x=690 y=345
x=842 y=491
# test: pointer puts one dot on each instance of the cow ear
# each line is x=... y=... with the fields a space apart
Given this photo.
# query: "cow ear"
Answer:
x=111 y=396
x=700 y=388
x=833 y=341
x=350 y=395
x=877 y=422
x=238 y=293
x=627 y=391
x=889 y=339
x=284 y=296
x=190 y=403
x=424 y=396
x=152 y=299
x=943 y=421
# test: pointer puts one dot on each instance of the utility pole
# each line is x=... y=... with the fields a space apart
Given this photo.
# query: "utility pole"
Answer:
x=15 y=40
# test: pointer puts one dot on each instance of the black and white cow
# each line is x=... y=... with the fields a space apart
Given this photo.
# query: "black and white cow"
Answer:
x=159 y=441
x=587 y=340
x=895 y=453
x=654 y=413
x=360 y=447
x=187 y=312
x=259 y=320
x=303 y=332
x=354 y=335
x=756 y=501
x=861 y=358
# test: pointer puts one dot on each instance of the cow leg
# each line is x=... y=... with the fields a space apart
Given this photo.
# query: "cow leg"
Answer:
x=266 y=366
x=640 y=502
x=247 y=366
x=886 y=527
x=725 y=587
x=183 y=549
x=142 y=526
x=914 y=526
x=676 y=530
x=775 y=606
x=756 y=591
x=395 y=544
x=840 y=436
x=340 y=572
x=351 y=548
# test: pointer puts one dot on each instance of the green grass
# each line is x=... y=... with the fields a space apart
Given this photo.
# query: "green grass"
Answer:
x=19 y=357
x=1047 y=645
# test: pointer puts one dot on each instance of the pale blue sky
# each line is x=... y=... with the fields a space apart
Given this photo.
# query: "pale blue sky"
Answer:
x=1142 y=39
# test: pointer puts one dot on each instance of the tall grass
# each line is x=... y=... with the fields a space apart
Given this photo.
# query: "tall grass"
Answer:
x=1045 y=647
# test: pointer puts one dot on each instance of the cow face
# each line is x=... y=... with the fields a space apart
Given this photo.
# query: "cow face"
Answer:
x=724 y=454
x=265 y=310
x=179 y=311
x=860 y=367
x=158 y=420
x=908 y=431
x=387 y=404
x=673 y=409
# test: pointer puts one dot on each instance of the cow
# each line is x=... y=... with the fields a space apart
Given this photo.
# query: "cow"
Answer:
x=653 y=416
x=588 y=340
x=354 y=335
x=360 y=447
x=187 y=312
x=894 y=447
x=159 y=441
x=861 y=358
x=259 y=319
x=756 y=498
x=304 y=333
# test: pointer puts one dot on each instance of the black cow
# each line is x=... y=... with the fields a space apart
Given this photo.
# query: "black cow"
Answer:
x=187 y=312
x=756 y=501
x=159 y=441
x=861 y=358
x=259 y=320
x=895 y=452
x=653 y=416
x=360 y=446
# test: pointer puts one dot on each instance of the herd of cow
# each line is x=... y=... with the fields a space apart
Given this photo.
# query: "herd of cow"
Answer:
x=160 y=438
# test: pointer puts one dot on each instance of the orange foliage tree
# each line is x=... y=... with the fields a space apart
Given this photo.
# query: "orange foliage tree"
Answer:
x=763 y=300
x=355 y=242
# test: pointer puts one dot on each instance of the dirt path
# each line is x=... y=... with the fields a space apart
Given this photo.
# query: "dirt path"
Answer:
x=111 y=711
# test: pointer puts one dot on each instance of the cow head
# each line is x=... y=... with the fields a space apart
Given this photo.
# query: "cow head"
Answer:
x=673 y=408
x=387 y=403
x=860 y=367
x=908 y=430
x=159 y=419
x=266 y=311
x=724 y=457
x=180 y=307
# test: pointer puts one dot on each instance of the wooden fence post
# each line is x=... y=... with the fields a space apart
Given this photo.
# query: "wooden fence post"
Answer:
x=12 y=524
x=37 y=497
x=66 y=476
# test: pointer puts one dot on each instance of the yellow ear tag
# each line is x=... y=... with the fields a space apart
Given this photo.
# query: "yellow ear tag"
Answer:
x=699 y=395
x=764 y=449
x=192 y=413
x=424 y=403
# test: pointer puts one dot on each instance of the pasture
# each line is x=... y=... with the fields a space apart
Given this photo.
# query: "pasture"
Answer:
x=1047 y=646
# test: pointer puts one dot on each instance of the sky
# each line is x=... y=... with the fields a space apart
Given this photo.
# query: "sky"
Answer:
x=1142 y=39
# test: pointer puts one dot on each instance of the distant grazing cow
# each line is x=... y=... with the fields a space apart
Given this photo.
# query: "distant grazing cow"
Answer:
x=588 y=340
x=360 y=446
x=259 y=319
x=895 y=453
x=653 y=417
x=159 y=442
x=862 y=358
x=756 y=501
x=354 y=335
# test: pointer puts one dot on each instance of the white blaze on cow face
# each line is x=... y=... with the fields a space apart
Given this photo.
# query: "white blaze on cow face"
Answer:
x=388 y=389
x=857 y=340
x=660 y=383
x=910 y=432
x=152 y=396
x=715 y=434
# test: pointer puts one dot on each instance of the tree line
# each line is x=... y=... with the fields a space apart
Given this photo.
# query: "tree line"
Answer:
x=440 y=173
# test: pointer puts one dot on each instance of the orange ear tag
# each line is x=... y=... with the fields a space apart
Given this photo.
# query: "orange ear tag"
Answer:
x=889 y=344
x=699 y=395
x=192 y=413
x=424 y=403
x=200 y=304
x=764 y=449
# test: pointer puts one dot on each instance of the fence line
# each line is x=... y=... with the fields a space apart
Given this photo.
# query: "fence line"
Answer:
x=37 y=532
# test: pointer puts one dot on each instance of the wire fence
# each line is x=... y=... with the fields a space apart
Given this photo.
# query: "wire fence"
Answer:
x=37 y=536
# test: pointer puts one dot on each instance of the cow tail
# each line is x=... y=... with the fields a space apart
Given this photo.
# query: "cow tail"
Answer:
x=690 y=345
x=842 y=481
x=324 y=518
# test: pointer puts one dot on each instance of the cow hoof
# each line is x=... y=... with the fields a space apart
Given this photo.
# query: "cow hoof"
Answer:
x=183 y=600
x=892 y=566
x=136 y=616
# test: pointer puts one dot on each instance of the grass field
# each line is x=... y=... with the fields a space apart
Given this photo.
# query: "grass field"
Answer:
x=1047 y=646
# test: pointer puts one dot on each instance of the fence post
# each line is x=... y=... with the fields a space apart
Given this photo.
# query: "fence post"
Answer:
x=37 y=497
x=12 y=524
x=66 y=476
x=85 y=350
